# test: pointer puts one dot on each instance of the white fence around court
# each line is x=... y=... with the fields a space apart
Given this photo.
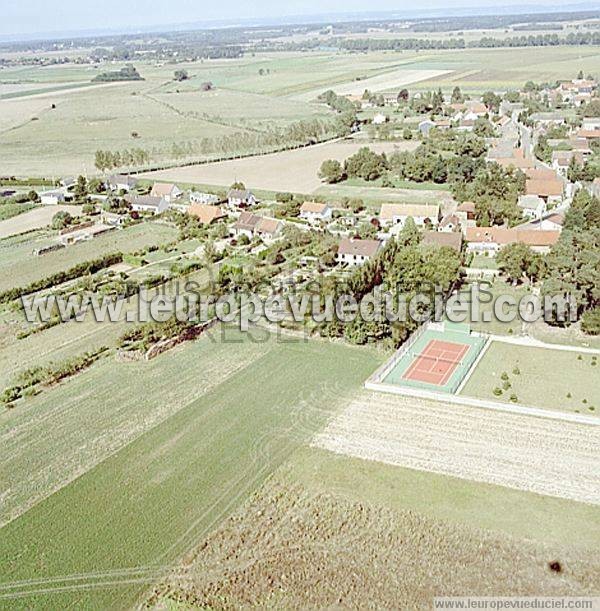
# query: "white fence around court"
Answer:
x=381 y=373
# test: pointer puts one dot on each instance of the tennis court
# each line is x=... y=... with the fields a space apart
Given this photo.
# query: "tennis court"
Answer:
x=438 y=359
x=437 y=362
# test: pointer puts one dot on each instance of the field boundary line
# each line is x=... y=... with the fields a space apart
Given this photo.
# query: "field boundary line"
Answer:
x=473 y=367
x=524 y=410
x=532 y=342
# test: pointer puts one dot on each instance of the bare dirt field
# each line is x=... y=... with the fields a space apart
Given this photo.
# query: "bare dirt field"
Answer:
x=544 y=456
x=294 y=171
x=291 y=548
x=40 y=217
x=388 y=81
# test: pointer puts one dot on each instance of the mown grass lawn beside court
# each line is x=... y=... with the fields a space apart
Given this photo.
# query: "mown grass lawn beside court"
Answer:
x=546 y=377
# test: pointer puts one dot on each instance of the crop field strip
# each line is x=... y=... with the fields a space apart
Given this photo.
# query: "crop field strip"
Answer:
x=73 y=338
x=205 y=458
x=24 y=268
x=295 y=170
x=537 y=455
x=46 y=141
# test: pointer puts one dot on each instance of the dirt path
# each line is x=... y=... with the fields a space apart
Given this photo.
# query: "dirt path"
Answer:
x=548 y=457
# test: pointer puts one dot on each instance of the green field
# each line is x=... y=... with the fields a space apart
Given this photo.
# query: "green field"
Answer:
x=375 y=196
x=7 y=211
x=40 y=140
x=18 y=267
x=478 y=70
x=546 y=377
x=146 y=504
x=519 y=514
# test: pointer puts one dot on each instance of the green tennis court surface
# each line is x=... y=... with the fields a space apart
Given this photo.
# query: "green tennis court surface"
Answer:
x=438 y=360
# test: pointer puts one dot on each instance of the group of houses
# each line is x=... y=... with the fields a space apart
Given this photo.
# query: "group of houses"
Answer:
x=460 y=116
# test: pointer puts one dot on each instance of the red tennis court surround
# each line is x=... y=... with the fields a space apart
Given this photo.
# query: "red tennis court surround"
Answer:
x=437 y=362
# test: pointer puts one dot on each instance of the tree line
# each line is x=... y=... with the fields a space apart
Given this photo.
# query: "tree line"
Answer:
x=417 y=44
x=243 y=142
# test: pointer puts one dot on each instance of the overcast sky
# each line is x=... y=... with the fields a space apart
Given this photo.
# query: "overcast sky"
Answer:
x=32 y=16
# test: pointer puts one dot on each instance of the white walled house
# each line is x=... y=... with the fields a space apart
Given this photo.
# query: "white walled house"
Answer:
x=251 y=225
x=532 y=206
x=167 y=191
x=356 y=252
x=147 y=203
x=240 y=198
x=490 y=240
x=397 y=214
x=315 y=212
x=121 y=182
x=52 y=198
x=210 y=199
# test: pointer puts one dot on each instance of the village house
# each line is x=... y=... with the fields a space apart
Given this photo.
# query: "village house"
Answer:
x=587 y=136
x=581 y=146
x=390 y=99
x=268 y=228
x=353 y=251
x=147 y=203
x=466 y=215
x=397 y=214
x=475 y=110
x=450 y=223
x=240 y=198
x=561 y=161
x=251 y=225
x=197 y=197
x=113 y=219
x=168 y=191
x=466 y=211
x=456 y=107
x=55 y=197
x=315 y=212
x=452 y=239
x=511 y=109
x=379 y=119
x=532 y=206
x=443 y=124
x=546 y=119
x=551 y=190
x=590 y=123
x=206 y=213
x=551 y=222
x=121 y=182
x=517 y=159
x=466 y=125
x=576 y=91
x=490 y=240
